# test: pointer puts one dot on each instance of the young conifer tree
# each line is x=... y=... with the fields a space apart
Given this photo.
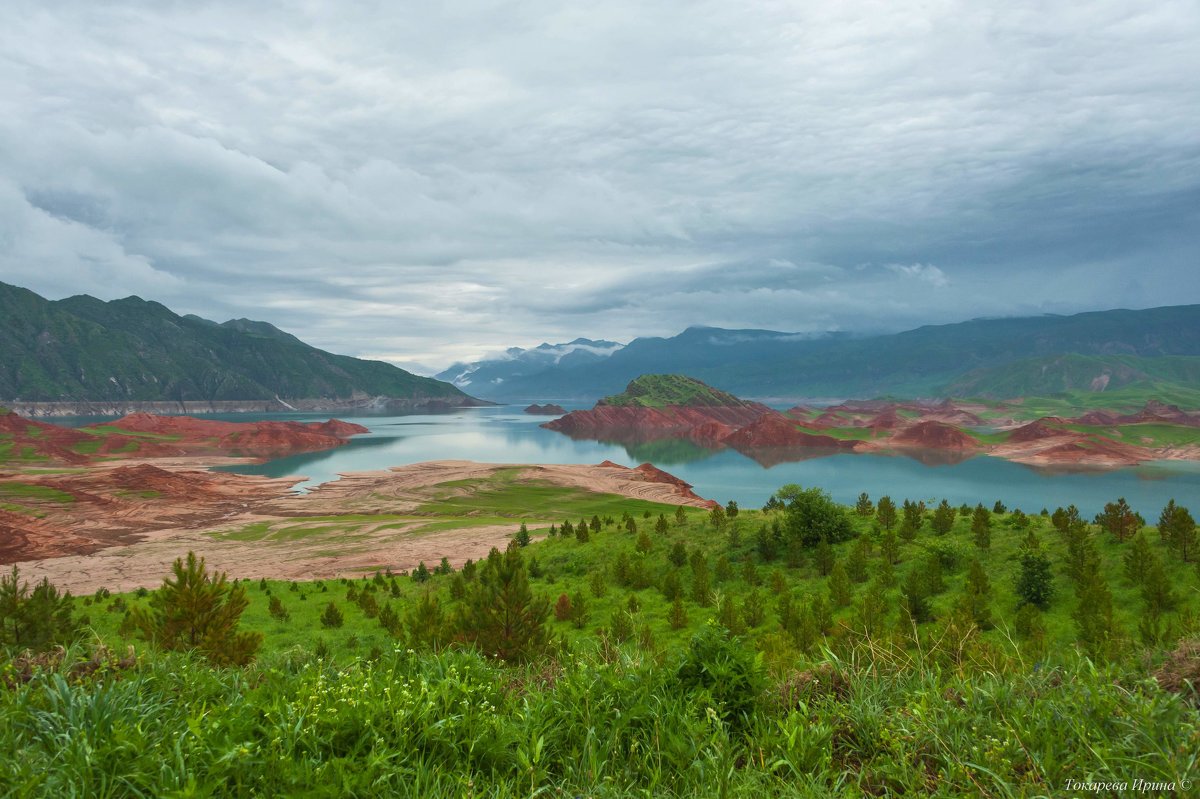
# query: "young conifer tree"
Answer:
x=195 y=610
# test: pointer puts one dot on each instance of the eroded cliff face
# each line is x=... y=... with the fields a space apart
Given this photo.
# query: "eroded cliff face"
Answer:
x=663 y=422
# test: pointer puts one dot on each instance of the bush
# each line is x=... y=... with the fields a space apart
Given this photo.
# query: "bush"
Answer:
x=725 y=671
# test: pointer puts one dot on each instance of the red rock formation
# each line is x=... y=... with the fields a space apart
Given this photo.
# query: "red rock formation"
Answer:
x=669 y=421
x=260 y=439
x=549 y=409
x=1098 y=418
x=652 y=474
x=887 y=420
x=41 y=440
x=1090 y=451
x=1155 y=411
x=711 y=434
x=934 y=435
x=1046 y=427
x=775 y=430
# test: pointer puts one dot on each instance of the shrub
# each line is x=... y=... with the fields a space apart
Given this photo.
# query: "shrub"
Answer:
x=721 y=668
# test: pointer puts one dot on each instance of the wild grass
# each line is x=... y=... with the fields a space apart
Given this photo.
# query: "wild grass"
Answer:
x=590 y=722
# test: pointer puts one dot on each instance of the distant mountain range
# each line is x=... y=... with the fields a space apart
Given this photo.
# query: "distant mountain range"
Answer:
x=517 y=363
x=984 y=357
x=128 y=354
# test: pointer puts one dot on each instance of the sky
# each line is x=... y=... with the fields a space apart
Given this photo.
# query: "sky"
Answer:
x=427 y=184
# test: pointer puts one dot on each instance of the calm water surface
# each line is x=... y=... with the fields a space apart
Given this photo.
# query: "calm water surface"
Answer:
x=506 y=435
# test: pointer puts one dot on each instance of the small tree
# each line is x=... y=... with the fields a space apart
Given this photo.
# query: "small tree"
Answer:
x=943 y=518
x=680 y=515
x=677 y=616
x=910 y=525
x=421 y=574
x=501 y=615
x=1137 y=558
x=425 y=623
x=1119 y=519
x=856 y=563
x=579 y=610
x=332 y=618
x=717 y=518
x=824 y=557
x=1156 y=588
x=562 y=608
x=1178 y=530
x=885 y=513
x=1035 y=583
x=194 y=610
x=977 y=596
x=581 y=533
x=840 y=592
x=34 y=620
x=731 y=509
x=914 y=599
x=277 y=610
x=754 y=610
x=981 y=527
x=701 y=584
x=522 y=537
x=597 y=584
x=644 y=544
x=678 y=555
x=864 y=507
x=728 y=615
x=389 y=620
x=661 y=526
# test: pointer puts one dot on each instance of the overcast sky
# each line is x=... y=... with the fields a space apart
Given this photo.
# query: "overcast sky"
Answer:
x=424 y=184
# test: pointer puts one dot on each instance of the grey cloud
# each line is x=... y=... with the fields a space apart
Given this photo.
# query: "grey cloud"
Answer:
x=431 y=184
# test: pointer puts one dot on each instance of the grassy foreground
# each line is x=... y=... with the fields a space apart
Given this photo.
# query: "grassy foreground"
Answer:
x=688 y=655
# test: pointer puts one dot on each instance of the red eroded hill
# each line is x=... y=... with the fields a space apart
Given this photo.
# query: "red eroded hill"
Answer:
x=1046 y=427
x=774 y=430
x=663 y=422
x=248 y=438
x=934 y=435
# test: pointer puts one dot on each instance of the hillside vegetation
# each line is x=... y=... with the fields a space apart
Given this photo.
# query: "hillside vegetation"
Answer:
x=802 y=650
x=1165 y=378
x=657 y=391
x=83 y=349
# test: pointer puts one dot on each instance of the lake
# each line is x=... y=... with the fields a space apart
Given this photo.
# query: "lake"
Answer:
x=506 y=435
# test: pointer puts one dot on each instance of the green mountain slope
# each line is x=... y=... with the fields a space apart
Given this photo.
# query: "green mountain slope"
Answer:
x=1072 y=373
x=84 y=349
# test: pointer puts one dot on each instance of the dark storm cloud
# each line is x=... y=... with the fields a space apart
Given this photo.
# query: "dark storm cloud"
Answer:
x=425 y=184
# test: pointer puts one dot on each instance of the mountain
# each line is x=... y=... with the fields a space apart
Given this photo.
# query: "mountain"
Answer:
x=494 y=373
x=926 y=361
x=1057 y=374
x=131 y=353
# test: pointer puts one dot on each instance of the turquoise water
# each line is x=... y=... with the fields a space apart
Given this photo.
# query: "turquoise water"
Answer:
x=506 y=435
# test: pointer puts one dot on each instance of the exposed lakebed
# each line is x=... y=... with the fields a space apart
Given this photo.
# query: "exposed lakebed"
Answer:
x=506 y=435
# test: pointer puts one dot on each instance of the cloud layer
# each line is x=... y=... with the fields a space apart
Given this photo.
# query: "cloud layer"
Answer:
x=422 y=184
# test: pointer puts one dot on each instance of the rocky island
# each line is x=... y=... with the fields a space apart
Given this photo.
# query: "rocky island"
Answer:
x=657 y=407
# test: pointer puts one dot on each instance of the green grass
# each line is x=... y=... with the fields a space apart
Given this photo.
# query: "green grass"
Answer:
x=943 y=711
x=35 y=492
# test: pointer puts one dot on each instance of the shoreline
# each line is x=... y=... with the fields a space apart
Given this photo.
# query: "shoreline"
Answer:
x=118 y=537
